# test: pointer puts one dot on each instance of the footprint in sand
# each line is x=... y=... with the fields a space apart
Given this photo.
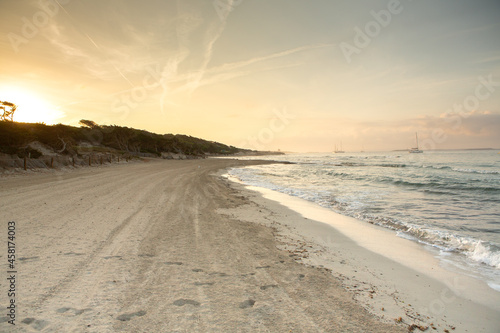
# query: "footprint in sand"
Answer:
x=73 y=254
x=28 y=258
x=183 y=301
x=262 y=267
x=75 y=312
x=112 y=257
x=35 y=323
x=204 y=283
x=128 y=316
x=247 y=304
x=173 y=263
x=269 y=286
x=197 y=270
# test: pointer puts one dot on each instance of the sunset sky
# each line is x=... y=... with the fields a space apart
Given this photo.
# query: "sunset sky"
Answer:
x=293 y=75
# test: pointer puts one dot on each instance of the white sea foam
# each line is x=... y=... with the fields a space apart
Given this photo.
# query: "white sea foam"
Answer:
x=482 y=253
x=446 y=241
x=486 y=172
x=476 y=250
x=494 y=286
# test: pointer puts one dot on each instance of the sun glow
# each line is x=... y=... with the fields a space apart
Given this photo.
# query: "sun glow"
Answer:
x=30 y=107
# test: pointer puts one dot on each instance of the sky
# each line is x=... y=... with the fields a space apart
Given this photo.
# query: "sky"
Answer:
x=293 y=75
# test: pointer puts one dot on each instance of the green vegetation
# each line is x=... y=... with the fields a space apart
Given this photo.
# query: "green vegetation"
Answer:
x=68 y=140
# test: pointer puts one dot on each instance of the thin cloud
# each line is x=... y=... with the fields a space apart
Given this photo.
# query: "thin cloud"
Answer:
x=209 y=48
x=224 y=70
x=58 y=40
x=221 y=77
x=239 y=64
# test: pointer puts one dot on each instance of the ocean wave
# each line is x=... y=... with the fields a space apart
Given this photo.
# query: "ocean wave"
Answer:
x=483 y=253
x=486 y=172
x=392 y=165
x=432 y=185
x=437 y=167
x=461 y=170
x=411 y=184
x=474 y=249
x=494 y=286
x=360 y=164
x=383 y=165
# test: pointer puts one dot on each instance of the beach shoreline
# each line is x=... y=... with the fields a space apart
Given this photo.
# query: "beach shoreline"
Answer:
x=143 y=247
x=392 y=277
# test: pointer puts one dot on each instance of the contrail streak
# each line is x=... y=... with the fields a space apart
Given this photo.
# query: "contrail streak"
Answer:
x=94 y=43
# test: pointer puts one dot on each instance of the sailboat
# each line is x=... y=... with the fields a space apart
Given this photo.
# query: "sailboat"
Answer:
x=338 y=151
x=415 y=150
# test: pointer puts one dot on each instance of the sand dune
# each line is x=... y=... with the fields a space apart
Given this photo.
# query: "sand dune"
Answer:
x=143 y=248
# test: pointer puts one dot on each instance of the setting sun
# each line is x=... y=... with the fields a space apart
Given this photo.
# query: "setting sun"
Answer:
x=30 y=107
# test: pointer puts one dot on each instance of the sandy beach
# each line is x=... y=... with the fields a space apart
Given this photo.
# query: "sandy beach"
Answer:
x=171 y=246
x=143 y=248
x=250 y=166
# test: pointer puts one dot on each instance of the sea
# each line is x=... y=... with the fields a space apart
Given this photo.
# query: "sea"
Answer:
x=447 y=201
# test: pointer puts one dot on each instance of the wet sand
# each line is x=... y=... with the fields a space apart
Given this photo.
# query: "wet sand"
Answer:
x=393 y=278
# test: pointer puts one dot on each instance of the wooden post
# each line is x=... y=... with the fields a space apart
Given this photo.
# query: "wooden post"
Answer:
x=73 y=158
x=118 y=159
x=25 y=164
x=52 y=162
x=101 y=159
x=90 y=160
